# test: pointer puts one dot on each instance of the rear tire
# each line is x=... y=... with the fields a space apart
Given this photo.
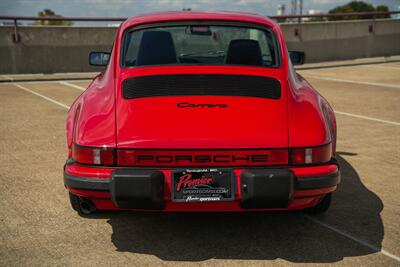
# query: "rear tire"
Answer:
x=322 y=206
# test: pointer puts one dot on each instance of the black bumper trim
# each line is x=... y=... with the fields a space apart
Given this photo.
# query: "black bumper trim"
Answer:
x=138 y=189
x=87 y=183
x=103 y=184
x=266 y=188
x=317 y=182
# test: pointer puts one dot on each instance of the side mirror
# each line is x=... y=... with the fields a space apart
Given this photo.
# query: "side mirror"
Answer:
x=297 y=57
x=99 y=58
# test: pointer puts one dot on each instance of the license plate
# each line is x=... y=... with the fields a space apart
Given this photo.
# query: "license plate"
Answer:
x=202 y=185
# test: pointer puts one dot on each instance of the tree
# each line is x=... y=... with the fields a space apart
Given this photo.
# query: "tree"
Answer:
x=357 y=6
x=51 y=13
x=382 y=9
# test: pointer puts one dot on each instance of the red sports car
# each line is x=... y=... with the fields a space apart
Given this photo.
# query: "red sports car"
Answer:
x=200 y=111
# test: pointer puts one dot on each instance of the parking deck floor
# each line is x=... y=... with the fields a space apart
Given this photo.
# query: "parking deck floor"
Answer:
x=38 y=227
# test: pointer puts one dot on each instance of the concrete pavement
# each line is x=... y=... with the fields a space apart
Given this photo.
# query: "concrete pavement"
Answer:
x=39 y=228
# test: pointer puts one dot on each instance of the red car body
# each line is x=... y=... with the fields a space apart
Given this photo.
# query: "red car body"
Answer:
x=253 y=138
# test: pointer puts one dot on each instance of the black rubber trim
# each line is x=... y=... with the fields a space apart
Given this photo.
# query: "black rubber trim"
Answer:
x=133 y=189
x=266 y=188
x=317 y=182
x=87 y=183
x=103 y=184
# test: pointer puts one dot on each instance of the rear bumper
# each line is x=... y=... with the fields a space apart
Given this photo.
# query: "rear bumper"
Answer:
x=103 y=184
x=87 y=183
x=304 y=188
x=318 y=182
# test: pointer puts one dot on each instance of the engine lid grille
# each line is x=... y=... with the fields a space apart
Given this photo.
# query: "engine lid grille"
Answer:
x=201 y=85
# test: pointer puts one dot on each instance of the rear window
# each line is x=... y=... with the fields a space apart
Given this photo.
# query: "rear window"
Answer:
x=200 y=45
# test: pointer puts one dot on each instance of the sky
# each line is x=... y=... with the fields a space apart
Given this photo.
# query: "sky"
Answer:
x=129 y=8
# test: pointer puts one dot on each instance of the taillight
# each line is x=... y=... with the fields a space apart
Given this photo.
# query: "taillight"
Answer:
x=145 y=158
x=93 y=155
x=311 y=155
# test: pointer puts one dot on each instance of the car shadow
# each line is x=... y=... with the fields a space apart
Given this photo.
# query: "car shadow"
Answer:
x=292 y=236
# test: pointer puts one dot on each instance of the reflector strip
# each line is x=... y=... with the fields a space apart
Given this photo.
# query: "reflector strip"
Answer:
x=178 y=158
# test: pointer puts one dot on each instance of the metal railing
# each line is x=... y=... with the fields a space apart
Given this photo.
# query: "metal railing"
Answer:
x=283 y=18
x=373 y=15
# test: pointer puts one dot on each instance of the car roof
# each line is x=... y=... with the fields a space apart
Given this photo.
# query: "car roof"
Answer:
x=197 y=15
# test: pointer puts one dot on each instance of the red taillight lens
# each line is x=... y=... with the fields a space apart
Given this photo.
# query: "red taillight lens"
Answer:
x=82 y=154
x=107 y=156
x=322 y=154
x=126 y=157
x=297 y=156
x=311 y=155
x=93 y=155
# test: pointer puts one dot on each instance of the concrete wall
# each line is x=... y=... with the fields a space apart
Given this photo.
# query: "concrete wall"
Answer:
x=343 y=40
x=52 y=49
x=65 y=49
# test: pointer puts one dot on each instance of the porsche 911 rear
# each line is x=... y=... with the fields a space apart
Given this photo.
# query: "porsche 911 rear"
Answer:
x=200 y=115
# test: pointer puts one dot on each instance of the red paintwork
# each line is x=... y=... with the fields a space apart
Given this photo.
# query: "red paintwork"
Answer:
x=101 y=117
x=252 y=114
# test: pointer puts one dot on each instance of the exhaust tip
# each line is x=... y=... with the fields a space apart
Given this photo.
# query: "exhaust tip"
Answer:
x=86 y=206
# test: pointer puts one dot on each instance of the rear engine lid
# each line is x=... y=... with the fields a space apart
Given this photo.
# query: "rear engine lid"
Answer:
x=198 y=111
